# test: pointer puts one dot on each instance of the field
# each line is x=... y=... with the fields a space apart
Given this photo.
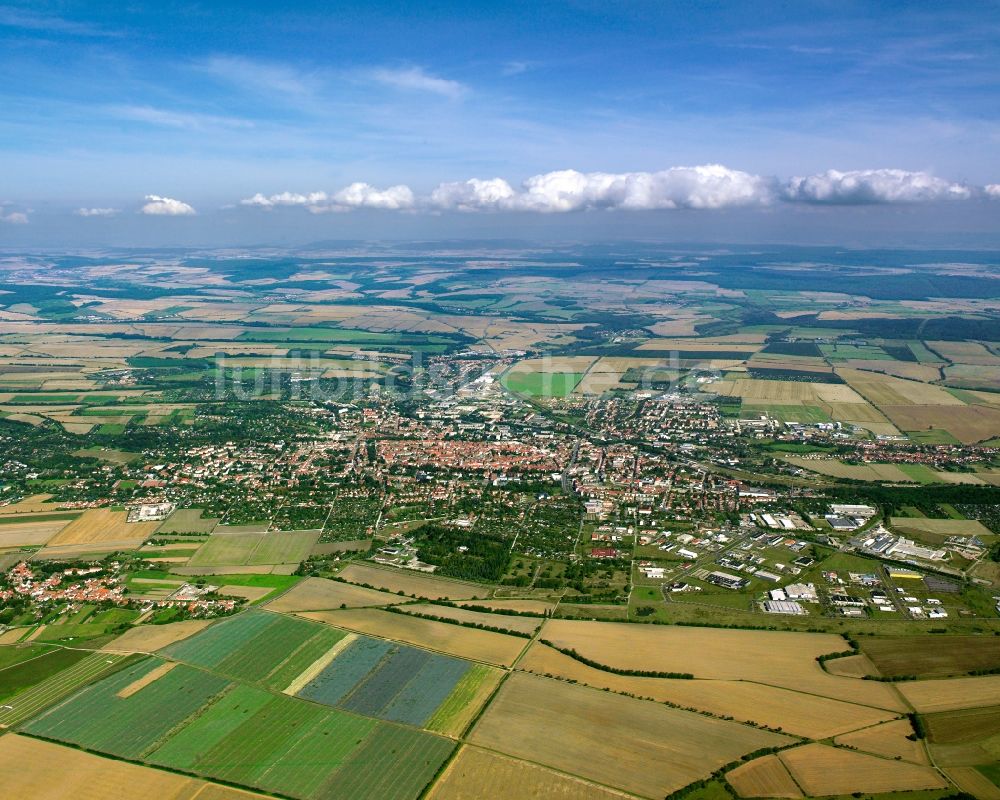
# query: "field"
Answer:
x=967 y=725
x=477 y=773
x=822 y=770
x=44 y=691
x=505 y=621
x=25 y=766
x=28 y=534
x=763 y=777
x=932 y=656
x=444 y=637
x=150 y=638
x=745 y=701
x=783 y=659
x=254 y=549
x=408 y=582
x=466 y=699
x=318 y=594
x=188 y=719
x=952 y=693
x=385 y=680
x=99 y=718
x=563 y=726
x=888 y=740
x=101 y=528
x=257 y=647
x=187 y=520
x=857 y=472
x=542 y=384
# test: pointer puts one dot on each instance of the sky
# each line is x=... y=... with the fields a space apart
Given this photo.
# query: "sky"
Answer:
x=182 y=123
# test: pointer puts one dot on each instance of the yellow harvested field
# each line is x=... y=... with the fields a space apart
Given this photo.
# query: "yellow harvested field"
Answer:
x=12 y=635
x=28 y=419
x=889 y=740
x=555 y=364
x=968 y=424
x=35 y=504
x=822 y=770
x=445 y=637
x=598 y=382
x=419 y=584
x=633 y=745
x=756 y=390
x=972 y=781
x=505 y=621
x=475 y=774
x=950 y=694
x=965 y=353
x=852 y=666
x=23 y=534
x=150 y=638
x=249 y=593
x=777 y=658
x=763 y=777
x=319 y=594
x=31 y=768
x=150 y=677
x=101 y=525
x=799 y=714
x=886 y=390
x=909 y=370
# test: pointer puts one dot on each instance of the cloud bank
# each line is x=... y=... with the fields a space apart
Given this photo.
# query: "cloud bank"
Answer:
x=873 y=186
x=357 y=195
x=96 y=212
x=705 y=187
x=166 y=207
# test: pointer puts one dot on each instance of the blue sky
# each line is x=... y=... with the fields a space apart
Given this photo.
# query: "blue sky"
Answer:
x=167 y=121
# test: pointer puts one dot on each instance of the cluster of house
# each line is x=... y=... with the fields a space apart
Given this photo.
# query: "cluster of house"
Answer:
x=96 y=586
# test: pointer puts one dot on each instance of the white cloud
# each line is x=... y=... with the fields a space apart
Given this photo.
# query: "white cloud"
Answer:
x=363 y=195
x=166 y=206
x=708 y=186
x=872 y=186
x=314 y=201
x=704 y=187
x=473 y=195
x=13 y=217
x=177 y=119
x=96 y=212
x=357 y=195
x=416 y=79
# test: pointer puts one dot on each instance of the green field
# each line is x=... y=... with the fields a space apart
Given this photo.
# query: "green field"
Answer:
x=542 y=384
x=240 y=549
x=806 y=414
x=463 y=693
x=919 y=472
x=932 y=436
x=97 y=718
x=258 y=647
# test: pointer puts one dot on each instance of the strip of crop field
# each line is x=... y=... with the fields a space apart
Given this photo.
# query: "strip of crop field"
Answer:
x=29 y=702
